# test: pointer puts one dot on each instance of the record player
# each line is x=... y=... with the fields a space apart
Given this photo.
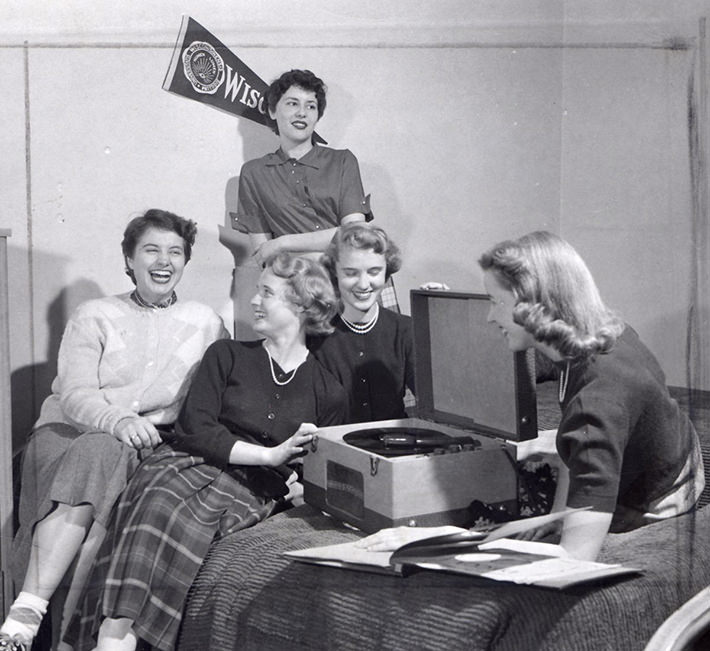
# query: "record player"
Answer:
x=474 y=396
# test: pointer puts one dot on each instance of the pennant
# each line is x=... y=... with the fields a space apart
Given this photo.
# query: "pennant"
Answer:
x=202 y=68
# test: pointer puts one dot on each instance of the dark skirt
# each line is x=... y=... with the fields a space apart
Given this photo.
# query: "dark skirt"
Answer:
x=171 y=511
x=62 y=466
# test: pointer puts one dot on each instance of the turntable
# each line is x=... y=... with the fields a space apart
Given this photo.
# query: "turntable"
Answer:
x=474 y=396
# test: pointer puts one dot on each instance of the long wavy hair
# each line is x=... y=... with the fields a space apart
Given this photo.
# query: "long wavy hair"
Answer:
x=309 y=287
x=557 y=300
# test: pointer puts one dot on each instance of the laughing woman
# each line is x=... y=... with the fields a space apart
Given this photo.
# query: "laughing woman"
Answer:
x=124 y=367
x=371 y=350
x=252 y=408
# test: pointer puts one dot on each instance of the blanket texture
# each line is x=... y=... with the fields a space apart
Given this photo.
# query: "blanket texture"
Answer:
x=249 y=596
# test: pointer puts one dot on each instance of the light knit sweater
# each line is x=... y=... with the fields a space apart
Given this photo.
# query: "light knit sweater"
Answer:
x=118 y=359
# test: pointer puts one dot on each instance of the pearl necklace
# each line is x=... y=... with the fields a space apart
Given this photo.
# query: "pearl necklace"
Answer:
x=278 y=382
x=139 y=300
x=362 y=328
x=564 y=378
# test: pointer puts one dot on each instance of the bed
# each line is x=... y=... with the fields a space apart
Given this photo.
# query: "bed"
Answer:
x=249 y=596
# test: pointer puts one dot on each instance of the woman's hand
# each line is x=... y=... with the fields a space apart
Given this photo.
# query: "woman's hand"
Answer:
x=292 y=447
x=295 y=490
x=387 y=540
x=434 y=285
x=543 y=531
x=137 y=432
x=265 y=250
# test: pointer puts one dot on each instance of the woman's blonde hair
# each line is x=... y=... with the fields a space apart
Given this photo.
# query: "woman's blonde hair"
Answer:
x=364 y=237
x=308 y=287
x=557 y=300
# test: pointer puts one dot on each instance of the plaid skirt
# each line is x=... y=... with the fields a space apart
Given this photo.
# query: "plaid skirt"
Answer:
x=173 y=508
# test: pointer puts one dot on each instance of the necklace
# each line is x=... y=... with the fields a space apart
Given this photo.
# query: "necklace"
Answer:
x=362 y=328
x=291 y=374
x=139 y=300
x=564 y=378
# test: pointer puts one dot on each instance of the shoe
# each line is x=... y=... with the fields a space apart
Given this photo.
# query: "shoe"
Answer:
x=8 y=643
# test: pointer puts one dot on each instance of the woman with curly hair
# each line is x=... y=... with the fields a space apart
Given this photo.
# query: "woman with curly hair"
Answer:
x=371 y=350
x=629 y=452
x=629 y=455
x=250 y=411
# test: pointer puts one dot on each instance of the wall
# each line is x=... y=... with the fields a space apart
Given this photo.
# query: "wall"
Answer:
x=472 y=122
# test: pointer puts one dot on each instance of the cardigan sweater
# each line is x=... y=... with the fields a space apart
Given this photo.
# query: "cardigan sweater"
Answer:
x=118 y=359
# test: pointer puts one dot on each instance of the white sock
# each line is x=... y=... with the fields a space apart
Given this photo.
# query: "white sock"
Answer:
x=116 y=635
x=25 y=616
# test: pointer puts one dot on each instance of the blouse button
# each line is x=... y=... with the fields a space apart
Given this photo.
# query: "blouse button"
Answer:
x=363 y=380
x=361 y=353
x=277 y=396
x=271 y=415
x=364 y=404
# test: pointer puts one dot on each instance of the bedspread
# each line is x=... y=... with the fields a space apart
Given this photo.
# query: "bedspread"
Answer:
x=249 y=596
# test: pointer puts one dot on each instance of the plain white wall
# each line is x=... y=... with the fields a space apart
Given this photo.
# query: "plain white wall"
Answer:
x=472 y=122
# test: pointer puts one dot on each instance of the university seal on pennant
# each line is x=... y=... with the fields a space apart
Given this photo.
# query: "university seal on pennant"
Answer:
x=203 y=67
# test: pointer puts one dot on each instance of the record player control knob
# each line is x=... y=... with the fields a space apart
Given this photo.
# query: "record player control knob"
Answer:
x=454 y=447
x=468 y=447
x=439 y=451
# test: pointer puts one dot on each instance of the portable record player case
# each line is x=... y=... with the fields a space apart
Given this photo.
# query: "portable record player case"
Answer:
x=468 y=384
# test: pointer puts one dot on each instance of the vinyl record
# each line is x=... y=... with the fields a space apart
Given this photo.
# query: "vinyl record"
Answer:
x=400 y=441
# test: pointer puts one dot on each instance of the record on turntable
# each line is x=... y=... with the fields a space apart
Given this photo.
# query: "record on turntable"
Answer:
x=398 y=441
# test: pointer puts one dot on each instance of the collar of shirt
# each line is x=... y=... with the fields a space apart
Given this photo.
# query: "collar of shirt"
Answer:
x=310 y=159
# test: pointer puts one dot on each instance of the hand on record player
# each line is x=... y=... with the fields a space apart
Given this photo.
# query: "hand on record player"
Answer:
x=295 y=490
x=435 y=286
x=292 y=447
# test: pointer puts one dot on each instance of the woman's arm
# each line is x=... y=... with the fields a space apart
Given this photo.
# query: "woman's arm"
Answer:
x=198 y=429
x=80 y=395
x=312 y=242
x=583 y=533
x=251 y=454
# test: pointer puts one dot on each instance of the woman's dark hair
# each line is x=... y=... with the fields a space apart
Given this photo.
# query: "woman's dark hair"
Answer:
x=303 y=79
x=161 y=220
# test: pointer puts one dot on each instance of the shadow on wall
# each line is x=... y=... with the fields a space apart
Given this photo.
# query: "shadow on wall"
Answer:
x=32 y=384
x=256 y=142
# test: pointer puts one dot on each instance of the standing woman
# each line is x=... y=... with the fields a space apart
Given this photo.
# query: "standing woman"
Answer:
x=630 y=453
x=124 y=367
x=295 y=198
x=252 y=408
x=371 y=350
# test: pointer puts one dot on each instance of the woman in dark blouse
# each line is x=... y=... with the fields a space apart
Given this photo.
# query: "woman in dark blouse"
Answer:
x=295 y=198
x=629 y=456
x=231 y=459
x=371 y=350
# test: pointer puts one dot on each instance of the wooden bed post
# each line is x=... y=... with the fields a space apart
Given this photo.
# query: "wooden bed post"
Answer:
x=6 y=528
